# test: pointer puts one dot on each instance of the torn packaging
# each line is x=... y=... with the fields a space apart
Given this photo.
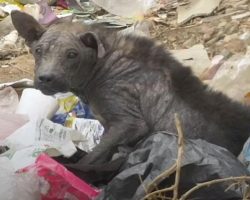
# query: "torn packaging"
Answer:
x=132 y=84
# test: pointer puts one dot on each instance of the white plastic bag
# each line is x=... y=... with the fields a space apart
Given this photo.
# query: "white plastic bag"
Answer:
x=24 y=186
x=36 y=105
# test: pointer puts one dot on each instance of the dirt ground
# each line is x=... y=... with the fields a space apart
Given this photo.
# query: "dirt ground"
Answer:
x=16 y=68
x=218 y=33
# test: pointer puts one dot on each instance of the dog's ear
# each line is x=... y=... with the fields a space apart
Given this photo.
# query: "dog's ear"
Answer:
x=27 y=26
x=92 y=40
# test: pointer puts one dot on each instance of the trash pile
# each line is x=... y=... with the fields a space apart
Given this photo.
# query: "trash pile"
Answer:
x=43 y=137
x=28 y=138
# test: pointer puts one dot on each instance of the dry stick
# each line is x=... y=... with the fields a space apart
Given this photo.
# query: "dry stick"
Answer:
x=179 y=156
x=161 y=177
x=176 y=167
x=246 y=194
x=231 y=186
x=152 y=194
x=209 y=183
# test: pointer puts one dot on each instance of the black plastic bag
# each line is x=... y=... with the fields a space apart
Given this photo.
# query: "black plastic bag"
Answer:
x=202 y=162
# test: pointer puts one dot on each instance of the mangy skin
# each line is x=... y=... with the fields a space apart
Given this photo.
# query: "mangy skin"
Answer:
x=132 y=84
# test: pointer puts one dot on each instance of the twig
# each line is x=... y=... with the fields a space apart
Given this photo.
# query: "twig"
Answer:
x=231 y=186
x=209 y=183
x=152 y=194
x=176 y=167
x=179 y=156
x=161 y=177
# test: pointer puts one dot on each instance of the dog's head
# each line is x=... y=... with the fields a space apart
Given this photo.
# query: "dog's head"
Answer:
x=64 y=53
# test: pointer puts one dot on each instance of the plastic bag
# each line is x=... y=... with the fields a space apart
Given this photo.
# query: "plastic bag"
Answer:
x=202 y=162
x=58 y=183
x=36 y=105
x=9 y=123
x=13 y=186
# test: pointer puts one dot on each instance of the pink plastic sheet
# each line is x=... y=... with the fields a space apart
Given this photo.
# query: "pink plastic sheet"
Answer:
x=62 y=183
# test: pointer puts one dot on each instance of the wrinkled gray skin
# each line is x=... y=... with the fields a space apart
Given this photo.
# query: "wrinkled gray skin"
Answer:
x=132 y=84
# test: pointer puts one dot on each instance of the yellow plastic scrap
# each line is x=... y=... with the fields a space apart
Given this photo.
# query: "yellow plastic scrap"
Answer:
x=69 y=121
x=68 y=103
x=13 y=2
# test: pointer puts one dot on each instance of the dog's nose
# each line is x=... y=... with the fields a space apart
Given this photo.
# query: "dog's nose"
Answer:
x=46 y=78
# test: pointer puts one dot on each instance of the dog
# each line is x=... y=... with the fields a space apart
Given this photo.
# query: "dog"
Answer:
x=132 y=84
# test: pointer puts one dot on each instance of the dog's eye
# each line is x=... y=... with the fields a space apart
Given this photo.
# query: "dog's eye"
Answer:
x=38 y=50
x=72 y=54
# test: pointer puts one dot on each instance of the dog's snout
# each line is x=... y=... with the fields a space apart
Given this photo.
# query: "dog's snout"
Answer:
x=46 y=78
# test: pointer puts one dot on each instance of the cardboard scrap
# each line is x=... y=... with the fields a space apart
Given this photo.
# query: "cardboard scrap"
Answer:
x=195 y=57
x=196 y=8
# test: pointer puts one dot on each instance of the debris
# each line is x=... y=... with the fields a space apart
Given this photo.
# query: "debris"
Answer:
x=216 y=63
x=2 y=13
x=18 y=84
x=56 y=182
x=41 y=135
x=236 y=46
x=196 y=8
x=141 y=28
x=9 y=123
x=9 y=7
x=5 y=66
x=46 y=13
x=124 y=8
x=92 y=130
x=232 y=78
x=6 y=26
x=32 y=9
x=9 y=41
x=196 y=57
x=70 y=108
x=30 y=100
x=227 y=38
x=200 y=157
x=246 y=37
x=112 y=21
x=240 y=16
x=21 y=186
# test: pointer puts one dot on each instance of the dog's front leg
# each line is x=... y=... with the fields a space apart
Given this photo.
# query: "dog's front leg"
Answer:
x=119 y=133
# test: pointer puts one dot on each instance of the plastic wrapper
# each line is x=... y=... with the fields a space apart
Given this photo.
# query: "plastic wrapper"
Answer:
x=92 y=130
x=57 y=183
x=70 y=108
x=41 y=136
x=202 y=162
x=10 y=5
